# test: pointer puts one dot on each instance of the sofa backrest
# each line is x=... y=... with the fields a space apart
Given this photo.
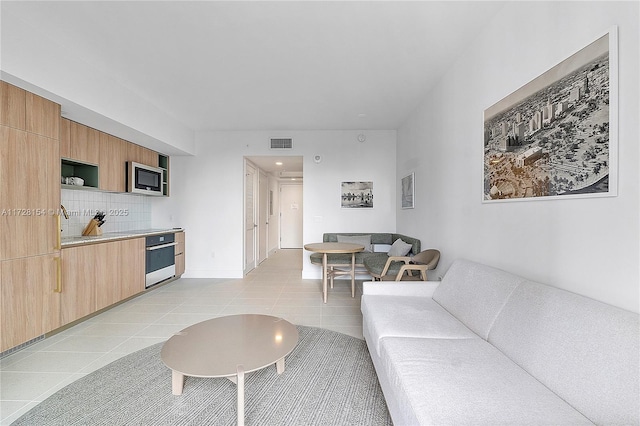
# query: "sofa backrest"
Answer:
x=585 y=351
x=385 y=238
x=475 y=293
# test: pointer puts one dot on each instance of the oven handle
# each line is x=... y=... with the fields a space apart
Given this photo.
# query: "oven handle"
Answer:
x=161 y=246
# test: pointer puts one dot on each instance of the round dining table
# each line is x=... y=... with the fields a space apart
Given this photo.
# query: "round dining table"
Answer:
x=327 y=248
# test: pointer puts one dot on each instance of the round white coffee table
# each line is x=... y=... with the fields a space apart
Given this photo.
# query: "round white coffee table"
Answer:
x=229 y=347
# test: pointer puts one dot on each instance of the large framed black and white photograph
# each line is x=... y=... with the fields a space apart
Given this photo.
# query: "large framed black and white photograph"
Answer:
x=356 y=195
x=556 y=137
x=408 y=191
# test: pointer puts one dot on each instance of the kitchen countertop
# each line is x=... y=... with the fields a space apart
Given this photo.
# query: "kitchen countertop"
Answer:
x=113 y=236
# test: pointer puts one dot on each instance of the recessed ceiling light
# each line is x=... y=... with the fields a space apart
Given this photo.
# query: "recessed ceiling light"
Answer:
x=278 y=163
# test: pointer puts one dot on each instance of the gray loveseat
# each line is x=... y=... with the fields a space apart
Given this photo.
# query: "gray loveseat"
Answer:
x=372 y=262
x=487 y=347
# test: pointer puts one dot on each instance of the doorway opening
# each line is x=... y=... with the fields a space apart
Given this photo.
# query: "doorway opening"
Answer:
x=271 y=222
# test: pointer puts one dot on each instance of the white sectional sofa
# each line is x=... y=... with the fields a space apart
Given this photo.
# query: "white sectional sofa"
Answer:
x=486 y=347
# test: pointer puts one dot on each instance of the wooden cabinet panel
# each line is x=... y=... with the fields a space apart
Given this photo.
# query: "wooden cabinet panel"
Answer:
x=65 y=138
x=180 y=256
x=12 y=106
x=79 y=278
x=42 y=116
x=112 y=164
x=108 y=267
x=79 y=142
x=97 y=276
x=30 y=199
x=180 y=264
x=85 y=143
x=30 y=305
x=29 y=187
x=141 y=155
x=132 y=271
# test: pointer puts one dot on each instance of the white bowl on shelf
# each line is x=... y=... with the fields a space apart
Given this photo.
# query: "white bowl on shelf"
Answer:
x=76 y=181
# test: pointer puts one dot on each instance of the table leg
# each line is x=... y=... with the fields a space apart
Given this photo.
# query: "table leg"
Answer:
x=240 y=395
x=324 y=277
x=353 y=275
x=280 y=365
x=177 y=382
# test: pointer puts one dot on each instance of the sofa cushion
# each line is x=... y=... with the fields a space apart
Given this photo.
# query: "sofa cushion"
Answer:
x=585 y=350
x=475 y=293
x=376 y=261
x=416 y=246
x=466 y=382
x=401 y=316
x=399 y=248
x=341 y=259
x=364 y=240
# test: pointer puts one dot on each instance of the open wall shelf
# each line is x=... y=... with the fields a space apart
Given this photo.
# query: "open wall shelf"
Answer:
x=88 y=172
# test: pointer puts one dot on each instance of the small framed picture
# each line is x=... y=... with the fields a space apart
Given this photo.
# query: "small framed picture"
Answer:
x=408 y=191
x=356 y=195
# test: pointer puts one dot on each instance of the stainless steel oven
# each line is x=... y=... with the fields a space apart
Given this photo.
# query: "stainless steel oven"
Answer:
x=160 y=258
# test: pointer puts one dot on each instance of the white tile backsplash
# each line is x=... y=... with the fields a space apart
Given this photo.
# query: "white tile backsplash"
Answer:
x=123 y=212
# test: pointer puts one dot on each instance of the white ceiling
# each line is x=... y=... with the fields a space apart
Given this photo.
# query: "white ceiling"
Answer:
x=290 y=167
x=290 y=65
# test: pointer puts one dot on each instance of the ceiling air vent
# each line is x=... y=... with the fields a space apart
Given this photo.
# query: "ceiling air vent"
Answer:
x=281 y=143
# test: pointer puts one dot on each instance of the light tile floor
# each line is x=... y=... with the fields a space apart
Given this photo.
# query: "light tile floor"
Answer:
x=275 y=288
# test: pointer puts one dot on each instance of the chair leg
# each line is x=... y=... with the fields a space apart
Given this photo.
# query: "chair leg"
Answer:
x=331 y=276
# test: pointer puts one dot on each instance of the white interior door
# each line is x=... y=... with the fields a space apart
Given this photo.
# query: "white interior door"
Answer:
x=291 y=216
x=249 y=218
x=263 y=216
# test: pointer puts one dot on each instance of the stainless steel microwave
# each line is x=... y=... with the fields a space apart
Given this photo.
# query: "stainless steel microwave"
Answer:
x=143 y=179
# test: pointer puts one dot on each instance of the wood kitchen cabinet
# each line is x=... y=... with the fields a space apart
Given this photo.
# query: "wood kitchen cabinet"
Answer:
x=13 y=103
x=42 y=116
x=30 y=303
x=132 y=267
x=96 y=276
x=122 y=269
x=30 y=194
x=79 y=278
x=29 y=224
x=142 y=155
x=79 y=142
x=112 y=165
x=180 y=259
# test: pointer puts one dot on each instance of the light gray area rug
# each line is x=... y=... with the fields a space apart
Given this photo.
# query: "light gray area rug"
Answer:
x=329 y=380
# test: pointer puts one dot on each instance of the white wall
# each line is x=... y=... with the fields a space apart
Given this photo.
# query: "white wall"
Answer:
x=210 y=184
x=274 y=223
x=587 y=246
x=88 y=93
x=124 y=212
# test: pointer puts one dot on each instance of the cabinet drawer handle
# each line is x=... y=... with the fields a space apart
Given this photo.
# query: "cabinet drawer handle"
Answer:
x=58 y=288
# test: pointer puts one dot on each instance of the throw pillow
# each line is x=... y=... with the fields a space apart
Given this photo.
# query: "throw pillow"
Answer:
x=364 y=240
x=399 y=248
